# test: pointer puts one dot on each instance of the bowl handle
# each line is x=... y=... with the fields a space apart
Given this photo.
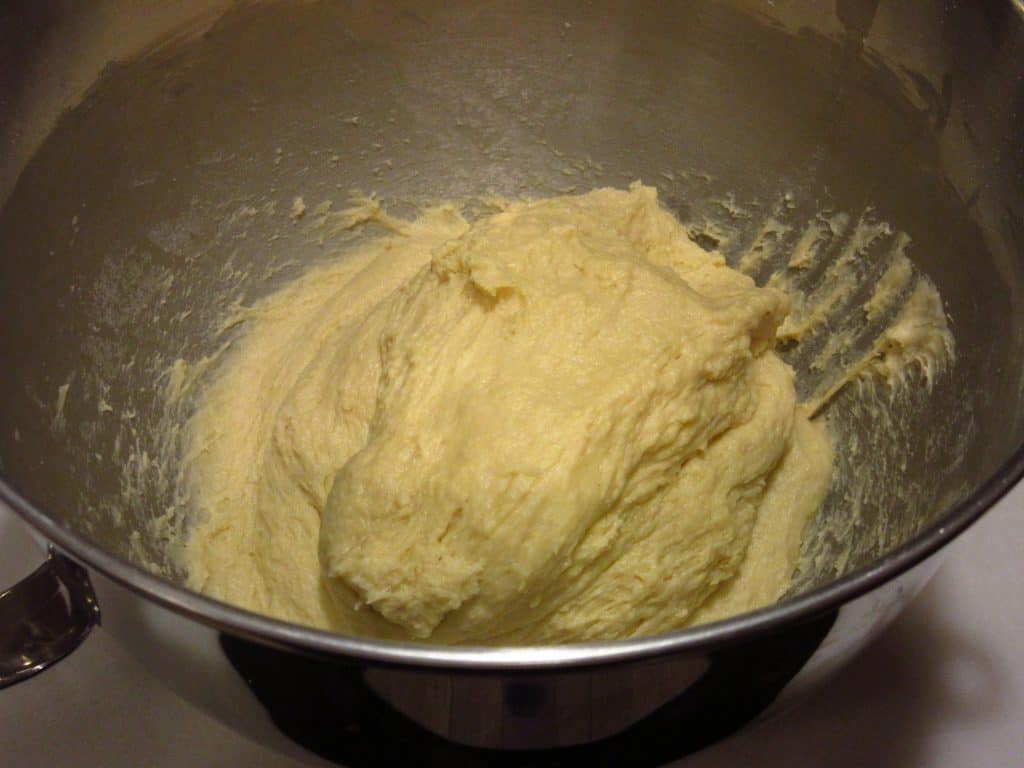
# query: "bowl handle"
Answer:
x=44 y=617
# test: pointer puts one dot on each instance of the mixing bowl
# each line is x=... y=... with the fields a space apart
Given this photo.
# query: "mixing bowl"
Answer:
x=152 y=159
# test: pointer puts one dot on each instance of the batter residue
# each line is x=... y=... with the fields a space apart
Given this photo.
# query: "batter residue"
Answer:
x=564 y=421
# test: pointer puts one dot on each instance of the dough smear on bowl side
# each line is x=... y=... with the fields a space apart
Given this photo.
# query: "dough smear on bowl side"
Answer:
x=564 y=421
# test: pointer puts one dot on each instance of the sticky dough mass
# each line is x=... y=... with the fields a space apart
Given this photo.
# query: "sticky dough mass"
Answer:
x=564 y=421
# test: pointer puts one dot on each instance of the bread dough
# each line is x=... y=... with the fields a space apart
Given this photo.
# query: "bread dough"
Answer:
x=562 y=422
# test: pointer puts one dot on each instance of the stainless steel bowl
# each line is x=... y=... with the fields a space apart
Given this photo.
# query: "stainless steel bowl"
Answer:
x=130 y=221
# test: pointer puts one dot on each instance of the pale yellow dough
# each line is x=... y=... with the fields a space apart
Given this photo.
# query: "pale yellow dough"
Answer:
x=563 y=422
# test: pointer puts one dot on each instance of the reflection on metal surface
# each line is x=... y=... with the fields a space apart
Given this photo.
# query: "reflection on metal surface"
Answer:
x=641 y=714
x=43 y=618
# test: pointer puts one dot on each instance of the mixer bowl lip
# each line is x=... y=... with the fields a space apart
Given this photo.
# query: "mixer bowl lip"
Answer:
x=294 y=638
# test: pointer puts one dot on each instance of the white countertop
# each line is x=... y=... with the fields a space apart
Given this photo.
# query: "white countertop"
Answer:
x=943 y=687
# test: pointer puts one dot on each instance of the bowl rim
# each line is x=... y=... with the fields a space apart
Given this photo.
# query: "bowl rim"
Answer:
x=307 y=640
